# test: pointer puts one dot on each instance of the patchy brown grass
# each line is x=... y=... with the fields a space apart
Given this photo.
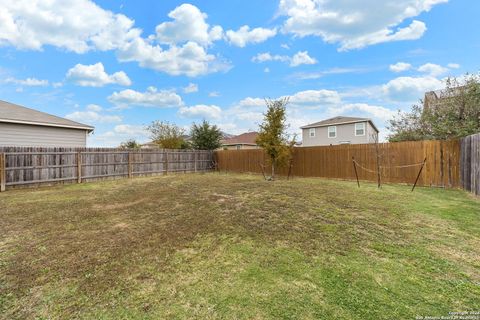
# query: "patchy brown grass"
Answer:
x=235 y=246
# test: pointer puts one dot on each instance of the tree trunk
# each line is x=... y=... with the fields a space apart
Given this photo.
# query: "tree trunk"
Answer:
x=273 y=172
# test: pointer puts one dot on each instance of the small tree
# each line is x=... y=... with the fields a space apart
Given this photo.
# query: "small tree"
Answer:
x=130 y=144
x=272 y=136
x=167 y=135
x=205 y=136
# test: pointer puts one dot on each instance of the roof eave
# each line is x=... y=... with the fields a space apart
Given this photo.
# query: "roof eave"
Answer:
x=237 y=143
x=87 y=128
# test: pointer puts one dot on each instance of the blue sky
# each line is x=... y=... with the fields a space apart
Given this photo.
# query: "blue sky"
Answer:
x=118 y=65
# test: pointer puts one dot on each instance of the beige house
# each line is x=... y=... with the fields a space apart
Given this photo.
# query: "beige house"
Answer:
x=339 y=130
x=24 y=127
x=242 y=141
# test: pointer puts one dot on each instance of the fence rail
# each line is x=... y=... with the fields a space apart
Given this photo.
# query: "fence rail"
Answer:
x=470 y=163
x=33 y=165
x=398 y=162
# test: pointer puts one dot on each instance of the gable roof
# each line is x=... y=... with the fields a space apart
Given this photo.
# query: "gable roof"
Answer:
x=339 y=120
x=244 y=138
x=13 y=113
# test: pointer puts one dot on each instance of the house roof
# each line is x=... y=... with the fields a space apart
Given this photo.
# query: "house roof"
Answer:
x=13 y=113
x=338 y=120
x=244 y=138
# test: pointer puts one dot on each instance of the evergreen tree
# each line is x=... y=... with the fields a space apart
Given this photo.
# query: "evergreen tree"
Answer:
x=130 y=144
x=205 y=136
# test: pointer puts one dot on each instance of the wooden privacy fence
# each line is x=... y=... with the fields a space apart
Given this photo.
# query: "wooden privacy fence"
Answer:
x=398 y=162
x=28 y=166
x=470 y=163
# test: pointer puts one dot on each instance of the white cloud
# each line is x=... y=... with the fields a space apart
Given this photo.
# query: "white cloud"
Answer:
x=266 y=70
x=252 y=102
x=251 y=116
x=353 y=24
x=129 y=129
x=299 y=58
x=266 y=56
x=453 y=65
x=244 y=35
x=191 y=88
x=150 y=98
x=319 y=74
x=31 y=25
x=201 y=111
x=95 y=76
x=214 y=94
x=302 y=57
x=412 y=32
x=410 y=89
x=92 y=115
x=29 y=82
x=317 y=98
x=119 y=134
x=94 y=107
x=400 y=67
x=363 y=109
x=188 y=25
x=190 y=59
x=82 y=25
x=432 y=69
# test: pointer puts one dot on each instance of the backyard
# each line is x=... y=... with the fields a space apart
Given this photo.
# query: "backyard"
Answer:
x=216 y=246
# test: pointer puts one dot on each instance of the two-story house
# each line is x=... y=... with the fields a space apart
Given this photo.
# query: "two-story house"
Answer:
x=339 y=130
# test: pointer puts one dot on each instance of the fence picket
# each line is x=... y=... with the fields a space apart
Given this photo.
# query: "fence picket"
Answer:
x=36 y=165
x=335 y=162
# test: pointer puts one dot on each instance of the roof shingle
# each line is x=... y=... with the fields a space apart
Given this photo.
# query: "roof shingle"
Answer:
x=13 y=113
x=244 y=138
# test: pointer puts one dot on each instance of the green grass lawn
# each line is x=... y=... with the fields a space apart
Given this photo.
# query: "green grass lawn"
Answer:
x=218 y=246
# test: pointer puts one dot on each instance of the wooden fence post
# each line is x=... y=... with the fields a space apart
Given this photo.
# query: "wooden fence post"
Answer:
x=166 y=163
x=3 y=175
x=195 y=159
x=129 y=165
x=79 y=167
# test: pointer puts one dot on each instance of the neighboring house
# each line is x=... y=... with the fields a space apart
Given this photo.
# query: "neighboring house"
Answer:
x=438 y=98
x=242 y=141
x=339 y=130
x=150 y=145
x=20 y=126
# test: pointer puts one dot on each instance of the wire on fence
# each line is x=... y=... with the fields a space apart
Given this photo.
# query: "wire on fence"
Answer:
x=388 y=167
x=362 y=167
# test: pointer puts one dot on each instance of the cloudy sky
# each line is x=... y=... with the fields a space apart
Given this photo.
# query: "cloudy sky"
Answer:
x=118 y=65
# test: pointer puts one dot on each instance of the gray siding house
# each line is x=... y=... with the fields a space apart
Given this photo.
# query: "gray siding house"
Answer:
x=20 y=126
x=339 y=130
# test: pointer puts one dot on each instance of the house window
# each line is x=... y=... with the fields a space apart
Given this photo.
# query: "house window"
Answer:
x=360 y=129
x=311 y=132
x=332 y=132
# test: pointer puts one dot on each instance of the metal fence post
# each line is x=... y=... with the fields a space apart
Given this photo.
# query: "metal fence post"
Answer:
x=3 y=175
